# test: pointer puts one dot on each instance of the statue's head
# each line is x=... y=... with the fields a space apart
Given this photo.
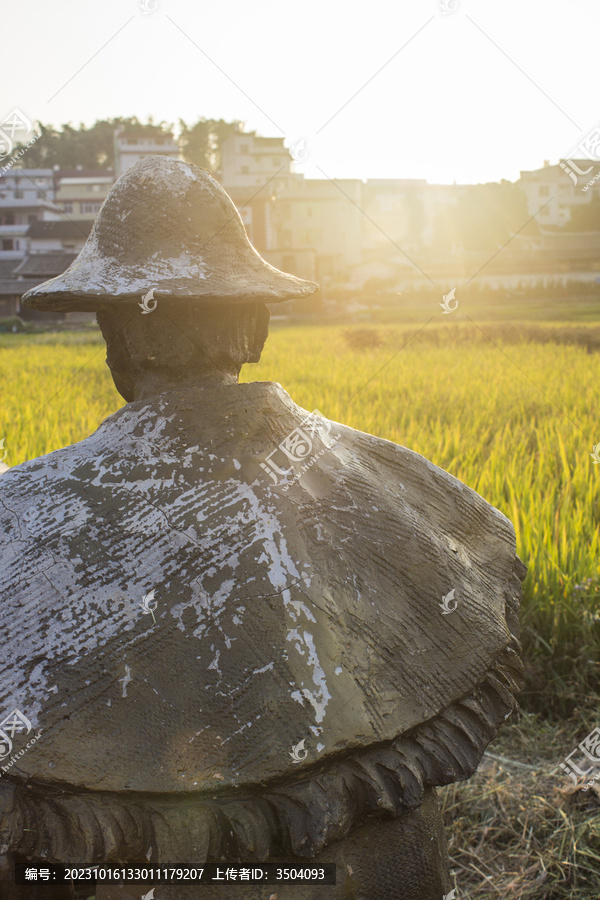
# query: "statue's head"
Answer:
x=178 y=290
x=181 y=345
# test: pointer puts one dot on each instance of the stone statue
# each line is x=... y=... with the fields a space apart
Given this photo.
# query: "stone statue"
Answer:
x=245 y=632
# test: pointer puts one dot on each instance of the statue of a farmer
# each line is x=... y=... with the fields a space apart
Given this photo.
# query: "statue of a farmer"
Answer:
x=243 y=632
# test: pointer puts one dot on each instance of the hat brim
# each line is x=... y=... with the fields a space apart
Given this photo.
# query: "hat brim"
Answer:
x=75 y=289
x=169 y=227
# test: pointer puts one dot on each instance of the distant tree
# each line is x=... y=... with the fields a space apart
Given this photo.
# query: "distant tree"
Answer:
x=93 y=147
x=90 y=148
x=222 y=130
x=201 y=143
x=36 y=156
x=196 y=144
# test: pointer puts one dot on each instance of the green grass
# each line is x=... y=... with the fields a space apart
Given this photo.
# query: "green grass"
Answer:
x=515 y=420
x=56 y=389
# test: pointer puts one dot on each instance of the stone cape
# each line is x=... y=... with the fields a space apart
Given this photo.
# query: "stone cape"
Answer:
x=303 y=610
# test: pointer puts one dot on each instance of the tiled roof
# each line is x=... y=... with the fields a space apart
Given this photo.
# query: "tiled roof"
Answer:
x=84 y=173
x=11 y=286
x=60 y=229
x=7 y=267
x=46 y=265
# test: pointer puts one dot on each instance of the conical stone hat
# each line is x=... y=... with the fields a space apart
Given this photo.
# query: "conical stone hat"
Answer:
x=167 y=225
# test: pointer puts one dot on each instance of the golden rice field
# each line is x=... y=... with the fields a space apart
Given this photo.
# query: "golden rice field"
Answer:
x=516 y=421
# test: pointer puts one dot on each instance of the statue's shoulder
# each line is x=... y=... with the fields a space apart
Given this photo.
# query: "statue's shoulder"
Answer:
x=220 y=583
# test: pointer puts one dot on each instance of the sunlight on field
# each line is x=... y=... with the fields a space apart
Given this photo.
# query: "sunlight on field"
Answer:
x=475 y=412
x=517 y=423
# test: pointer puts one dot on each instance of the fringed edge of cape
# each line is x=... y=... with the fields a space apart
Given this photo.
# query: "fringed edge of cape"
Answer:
x=273 y=820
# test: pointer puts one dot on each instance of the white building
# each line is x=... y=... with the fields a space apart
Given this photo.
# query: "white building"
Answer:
x=248 y=161
x=80 y=192
x=62 y=236
x=132 y=143
x=552 y=193
x=26 y=196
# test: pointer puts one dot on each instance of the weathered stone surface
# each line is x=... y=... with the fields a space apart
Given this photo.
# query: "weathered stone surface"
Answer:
x=169 y=226
x=311 y=613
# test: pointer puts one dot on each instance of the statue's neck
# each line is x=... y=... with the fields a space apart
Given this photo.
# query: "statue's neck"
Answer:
x=151 y=385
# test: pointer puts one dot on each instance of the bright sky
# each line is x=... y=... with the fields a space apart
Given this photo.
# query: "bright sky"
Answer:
x=379 y=90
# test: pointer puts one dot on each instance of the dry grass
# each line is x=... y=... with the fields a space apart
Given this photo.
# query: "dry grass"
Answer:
x=462 y=332
x=519 y=829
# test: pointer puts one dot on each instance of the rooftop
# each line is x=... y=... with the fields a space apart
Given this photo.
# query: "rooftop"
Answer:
x=554 y=173
x=12 y=287
x=84 y=173
x=33 y=173
x=45 y=265
x=137 y=134
x=60 y=229
x=7 y=267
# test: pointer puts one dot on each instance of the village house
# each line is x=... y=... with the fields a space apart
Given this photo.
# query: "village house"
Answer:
x=46 y=215
x=38 y=241
x=52 y=247
x=552 y=193
x=308 y=227
x=340 y=232
x=133 y=143
x=79 y=193
x=26 y=195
